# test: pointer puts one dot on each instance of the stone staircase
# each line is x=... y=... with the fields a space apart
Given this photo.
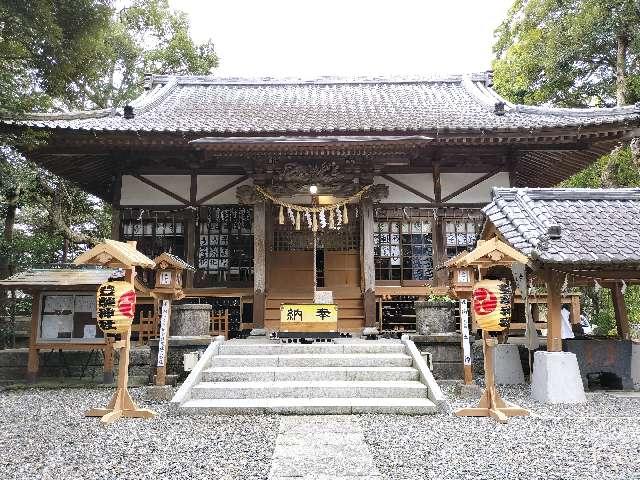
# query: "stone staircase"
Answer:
x=319 y=378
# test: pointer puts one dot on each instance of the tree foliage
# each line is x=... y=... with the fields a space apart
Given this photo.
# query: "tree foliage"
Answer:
x=569 y=52
x=578 y=53
x=65 y=54
x=59 y=55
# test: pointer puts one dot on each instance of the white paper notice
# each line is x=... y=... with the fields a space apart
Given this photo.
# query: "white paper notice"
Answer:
x=164 y=320
x=86 y=303
x=58 y=303
x=89 y=331
x=464 y=327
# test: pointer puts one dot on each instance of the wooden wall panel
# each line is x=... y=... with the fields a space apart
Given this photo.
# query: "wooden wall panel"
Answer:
x=341 y=269
x=290 y=271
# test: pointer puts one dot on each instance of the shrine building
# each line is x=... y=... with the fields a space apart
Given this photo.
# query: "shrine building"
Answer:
x=204 y=168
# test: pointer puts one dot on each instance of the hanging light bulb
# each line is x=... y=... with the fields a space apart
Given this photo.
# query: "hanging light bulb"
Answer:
x=313 y=189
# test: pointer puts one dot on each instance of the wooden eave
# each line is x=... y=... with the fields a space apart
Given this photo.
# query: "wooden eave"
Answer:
x=545 y=157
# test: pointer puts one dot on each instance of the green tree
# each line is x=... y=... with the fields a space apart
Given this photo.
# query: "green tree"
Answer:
x=578 y=53
x=58 y=55
x=569 y=53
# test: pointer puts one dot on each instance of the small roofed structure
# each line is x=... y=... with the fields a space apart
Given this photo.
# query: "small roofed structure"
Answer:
x=165 y=260
x=58 y=279
x=585 y=237
x=115 y=254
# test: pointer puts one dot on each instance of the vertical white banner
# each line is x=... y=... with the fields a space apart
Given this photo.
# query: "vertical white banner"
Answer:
x=464 y=328
x=164 y=319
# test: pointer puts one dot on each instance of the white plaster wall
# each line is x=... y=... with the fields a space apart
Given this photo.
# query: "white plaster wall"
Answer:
x=450 y=182
x=398 y=194
x=480 y=193
x=210 y=183
x=135 y=192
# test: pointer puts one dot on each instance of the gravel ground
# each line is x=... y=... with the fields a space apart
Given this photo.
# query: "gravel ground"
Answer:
x=598 y=440
x=43 y=435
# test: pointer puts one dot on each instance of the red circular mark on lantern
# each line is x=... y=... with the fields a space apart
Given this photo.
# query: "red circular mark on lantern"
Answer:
x=484 y=301
x=127 y=303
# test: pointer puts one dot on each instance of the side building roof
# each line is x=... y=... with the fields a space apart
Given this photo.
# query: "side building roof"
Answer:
x=591 y=227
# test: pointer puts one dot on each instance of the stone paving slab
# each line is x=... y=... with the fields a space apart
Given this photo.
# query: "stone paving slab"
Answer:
x=321 y=447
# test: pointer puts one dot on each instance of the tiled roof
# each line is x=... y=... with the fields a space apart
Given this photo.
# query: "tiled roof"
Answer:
x=557 y=225
x=247 y=106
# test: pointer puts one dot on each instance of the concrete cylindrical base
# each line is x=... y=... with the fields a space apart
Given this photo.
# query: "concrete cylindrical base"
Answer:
x=507 y=366
x=190 y=320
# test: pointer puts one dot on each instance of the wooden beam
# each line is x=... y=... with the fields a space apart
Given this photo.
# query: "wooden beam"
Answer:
x=620 y=309
x=222 y=189
x=160 y=188
x=472 y=184
x=408 y=188
x=437 y=186
x=554 y=315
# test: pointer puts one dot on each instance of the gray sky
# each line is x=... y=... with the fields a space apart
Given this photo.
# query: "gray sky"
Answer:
x=347 y=37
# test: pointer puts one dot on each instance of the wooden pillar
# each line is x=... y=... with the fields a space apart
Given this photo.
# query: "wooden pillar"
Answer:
x=620 y=309
x=33 y=361
x=439 y=234
x=259 y=263
x=190 y=241
x=107 y=369
x=368 y=265
x=191 y=233
x=554 y=316
x=439 y=239
x=575 y=309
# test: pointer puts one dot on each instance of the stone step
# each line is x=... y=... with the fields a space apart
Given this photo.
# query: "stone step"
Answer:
x=294 y=348
x=309 y=389
x=261 y=374
x=315 y=360
x=309 y=406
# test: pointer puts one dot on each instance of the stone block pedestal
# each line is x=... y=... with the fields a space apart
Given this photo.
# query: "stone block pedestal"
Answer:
x=446 y=354
x=556 y=378
x=506 y=361
x=178 y=346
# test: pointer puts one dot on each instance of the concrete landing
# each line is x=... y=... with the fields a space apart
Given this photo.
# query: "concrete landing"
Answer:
x=321 y=448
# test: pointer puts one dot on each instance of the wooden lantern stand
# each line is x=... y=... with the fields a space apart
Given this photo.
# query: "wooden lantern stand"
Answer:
x=491 y=403
x=123 y=255
x=121 y=404
x=463 y=275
